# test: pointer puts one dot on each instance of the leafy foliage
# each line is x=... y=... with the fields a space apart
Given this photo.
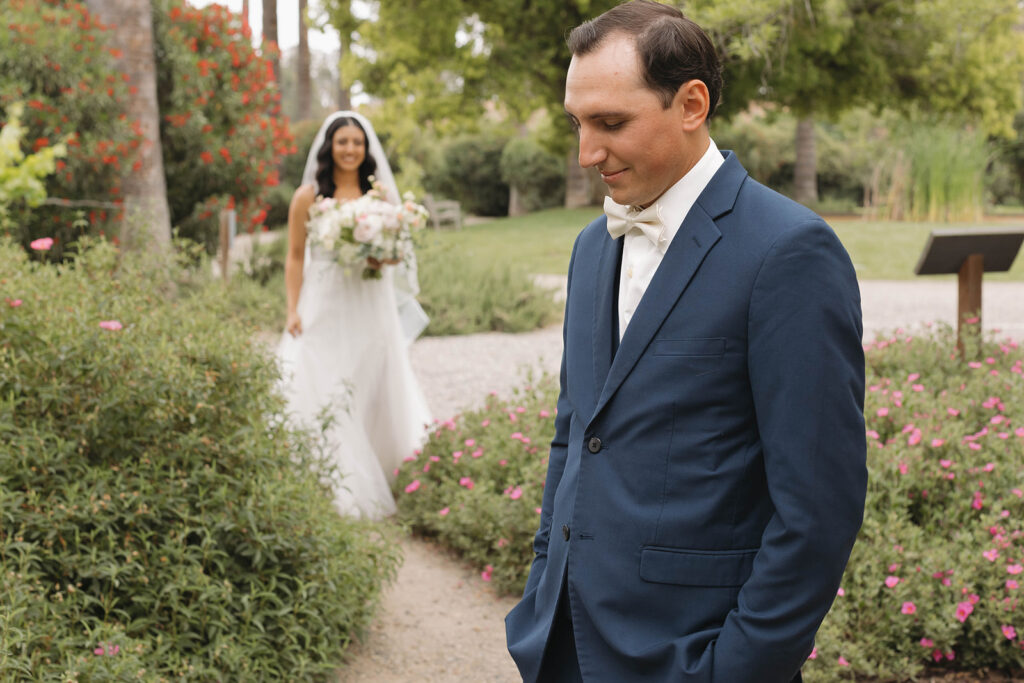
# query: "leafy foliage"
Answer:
x=537 y=174
x=57 y=62
x=20 y=174
x=160 y=520
x=470 y=171
x=222 y=134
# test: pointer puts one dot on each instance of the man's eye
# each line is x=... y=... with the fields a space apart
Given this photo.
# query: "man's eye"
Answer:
x=612 y=125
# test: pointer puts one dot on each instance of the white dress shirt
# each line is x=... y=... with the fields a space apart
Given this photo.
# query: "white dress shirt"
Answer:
x=640 y=256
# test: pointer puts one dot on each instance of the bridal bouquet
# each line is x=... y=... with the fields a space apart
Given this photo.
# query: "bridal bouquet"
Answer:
x=366 y=232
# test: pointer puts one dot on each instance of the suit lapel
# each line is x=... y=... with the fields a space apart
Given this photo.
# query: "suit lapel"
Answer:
x=696 y=237
x=605 y=311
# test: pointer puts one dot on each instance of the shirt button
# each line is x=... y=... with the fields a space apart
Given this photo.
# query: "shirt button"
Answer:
x=594 y=445
x=565 y=531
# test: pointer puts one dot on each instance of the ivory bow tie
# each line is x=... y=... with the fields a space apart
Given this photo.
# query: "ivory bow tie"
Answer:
x=622 y=219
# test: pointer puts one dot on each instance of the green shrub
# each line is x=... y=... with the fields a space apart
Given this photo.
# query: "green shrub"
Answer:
x=537 y=174
x=463 y=296
x=478 y=482
x=936 y=577
x=159 y=519
x=470 y=171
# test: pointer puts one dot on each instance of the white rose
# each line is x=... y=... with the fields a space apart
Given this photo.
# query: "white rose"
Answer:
x=367 y=228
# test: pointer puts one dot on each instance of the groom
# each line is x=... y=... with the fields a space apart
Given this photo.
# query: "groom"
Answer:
x=707 y=475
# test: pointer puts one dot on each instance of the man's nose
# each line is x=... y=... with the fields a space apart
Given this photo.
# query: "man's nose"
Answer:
x=591 y=151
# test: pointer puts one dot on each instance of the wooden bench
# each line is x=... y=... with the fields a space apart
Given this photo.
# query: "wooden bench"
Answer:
x=443 y=211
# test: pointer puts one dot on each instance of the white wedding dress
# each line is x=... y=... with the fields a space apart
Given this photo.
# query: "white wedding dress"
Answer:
x=352 y=361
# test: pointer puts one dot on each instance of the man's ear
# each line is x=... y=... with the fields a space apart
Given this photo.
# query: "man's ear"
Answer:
x=693 y=102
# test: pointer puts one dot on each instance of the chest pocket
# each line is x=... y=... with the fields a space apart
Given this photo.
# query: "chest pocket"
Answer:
x=698 y=356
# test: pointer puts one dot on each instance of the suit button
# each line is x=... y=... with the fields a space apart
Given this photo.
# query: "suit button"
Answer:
x=594 y=445
x=565 y=531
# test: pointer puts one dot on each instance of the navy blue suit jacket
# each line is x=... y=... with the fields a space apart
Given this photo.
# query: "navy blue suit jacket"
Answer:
x=707 y=477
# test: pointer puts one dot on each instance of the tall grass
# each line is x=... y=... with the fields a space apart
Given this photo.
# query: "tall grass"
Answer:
x=946 y=172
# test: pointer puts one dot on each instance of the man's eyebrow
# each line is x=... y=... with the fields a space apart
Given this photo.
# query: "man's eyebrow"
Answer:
x=599 y=115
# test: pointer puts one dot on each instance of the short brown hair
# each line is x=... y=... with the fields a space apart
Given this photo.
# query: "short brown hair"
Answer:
x=672 y=48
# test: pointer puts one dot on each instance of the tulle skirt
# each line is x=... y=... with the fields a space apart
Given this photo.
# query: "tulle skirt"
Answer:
x=351 y=364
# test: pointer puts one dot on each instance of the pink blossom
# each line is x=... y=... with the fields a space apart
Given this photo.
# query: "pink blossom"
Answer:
x=1014 y=569
x=882 y=412
x=112 y=325
x=937 y=655
x=426 y=467
x=516 y=493
x=946 y=463
x=502 y=542
x=927 y=642
x=1009 y=631
x=894 y=566
x=467 y=482
x=1019 y=432
x=477 y=453
x=1018 y=493
x=537 y=510
x=42 y=244
x=891 y=581
x=991 y=555
x=520 y=409
x=908 y=608
x=456 y=455
x=918 y=387
x=814 y=653
x=1012 y=585
x=913 y=376
x=409 y=458
x=503 y=462
x=963 y=610
x=937 y=442
x=951 y=655
x=470 y=443
x=840 y=592
x=485 y=423
x=914 y=438
x=14 y=303
x=486 y=573
x=974 y=365
x=516 y=435
x=413 y=485
x=989 y=466
x=977 y=503
x=842 y=661
x=435 y=458
x=952 y=411
x=903 y=468
x=544 y=413
x=444 y=511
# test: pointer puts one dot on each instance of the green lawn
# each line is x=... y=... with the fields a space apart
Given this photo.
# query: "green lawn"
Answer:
x=543 y=240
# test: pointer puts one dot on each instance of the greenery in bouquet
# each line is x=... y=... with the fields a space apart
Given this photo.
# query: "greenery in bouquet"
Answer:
x=367 y=232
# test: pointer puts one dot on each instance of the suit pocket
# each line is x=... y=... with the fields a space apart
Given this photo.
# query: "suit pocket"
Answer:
x=713 y=568
x=695 y=355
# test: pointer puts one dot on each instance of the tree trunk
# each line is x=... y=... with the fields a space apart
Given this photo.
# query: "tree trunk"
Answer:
x=147 y=216
x=805 y=172
x=245 y=13
x=270 y=35
x=304 y=79
x=344 y=99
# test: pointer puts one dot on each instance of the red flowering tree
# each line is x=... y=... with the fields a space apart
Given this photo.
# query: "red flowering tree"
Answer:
x=222 y=133
x=55 y=60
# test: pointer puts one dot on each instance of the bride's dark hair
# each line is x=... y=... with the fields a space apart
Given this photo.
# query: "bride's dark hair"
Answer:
x=325 y=162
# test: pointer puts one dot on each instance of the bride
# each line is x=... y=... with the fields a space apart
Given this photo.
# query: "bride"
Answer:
x=344 y=349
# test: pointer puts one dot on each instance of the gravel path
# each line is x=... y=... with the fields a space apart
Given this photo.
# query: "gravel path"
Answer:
x=439 y=621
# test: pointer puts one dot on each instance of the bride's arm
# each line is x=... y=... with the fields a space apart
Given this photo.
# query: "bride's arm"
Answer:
x=298 y=212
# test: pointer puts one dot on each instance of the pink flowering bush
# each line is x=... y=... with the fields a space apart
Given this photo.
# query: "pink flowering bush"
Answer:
x=935 y=579
x=477 y=484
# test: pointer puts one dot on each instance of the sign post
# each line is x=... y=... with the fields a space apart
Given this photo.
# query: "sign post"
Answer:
x=969 y=253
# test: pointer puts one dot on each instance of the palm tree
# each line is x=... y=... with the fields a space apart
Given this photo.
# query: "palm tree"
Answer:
x=304 y=78
x=270 y=35
x=145 y=188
